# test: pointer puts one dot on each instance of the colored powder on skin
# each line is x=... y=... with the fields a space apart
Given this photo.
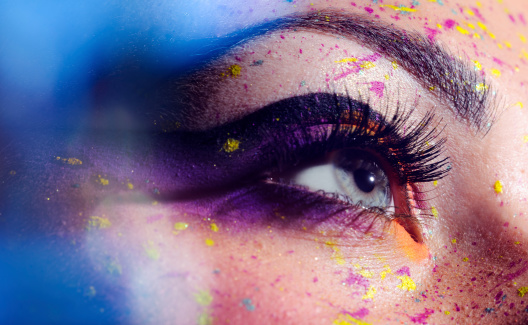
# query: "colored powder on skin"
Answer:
x=345 y=60
x=344 y=319
x=154 y=218
x=462 y=30
x=431 y=33
x=435 y=183
x=231 y=145
x=130 y=186
x=366 y=274
x=525 y=138
x=234 y=70
x=203 y=298
x=336 y=255
x=421 y=318
x=98 y=223
x=103 y=181
x=522 y=291
x=181 y=225
x=214 y=227
x=522 y=38
x=204 y=319
x=416 y=252
x=369 y=10
x=362 y=313
x=450 y=23
x=209 y=242
x=377 y=87
x=400 y=8
x=384 y=273
x=355 y=279
x=482 y=26
x=497 y=187
x=480 y=87
x=367 y=65
x=465 y=259
x=70 y=161
x=478 y=66
x=369 y=294
x=406 y=283
x=404 y=271
x=495 y=72
x=434 y=211
x=247 y=303
x=453 y=240
x=151 y=251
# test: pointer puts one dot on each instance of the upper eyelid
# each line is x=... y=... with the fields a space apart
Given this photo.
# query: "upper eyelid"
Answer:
x=454 y=81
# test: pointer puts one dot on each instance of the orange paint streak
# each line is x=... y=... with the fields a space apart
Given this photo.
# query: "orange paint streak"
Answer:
x=416 y=252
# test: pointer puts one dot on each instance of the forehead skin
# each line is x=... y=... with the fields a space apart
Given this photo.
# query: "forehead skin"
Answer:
x=177 y=262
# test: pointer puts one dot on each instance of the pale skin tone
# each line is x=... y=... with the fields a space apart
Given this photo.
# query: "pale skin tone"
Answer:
x=180 y=264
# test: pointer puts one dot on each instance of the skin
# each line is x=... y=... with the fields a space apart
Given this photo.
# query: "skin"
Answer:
x=139 y=257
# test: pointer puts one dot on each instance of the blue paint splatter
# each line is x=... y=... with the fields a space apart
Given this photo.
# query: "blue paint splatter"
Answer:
x=247 y=302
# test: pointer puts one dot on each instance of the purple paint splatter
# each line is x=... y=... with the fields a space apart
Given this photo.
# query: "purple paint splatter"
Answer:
x=404 y=271
x=377 y=87
x=421 y=318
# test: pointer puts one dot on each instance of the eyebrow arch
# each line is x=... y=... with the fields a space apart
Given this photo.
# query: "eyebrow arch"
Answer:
x=454 y=80
x=456 y=83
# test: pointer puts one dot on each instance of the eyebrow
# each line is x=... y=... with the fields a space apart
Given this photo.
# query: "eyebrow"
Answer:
x=453 y=80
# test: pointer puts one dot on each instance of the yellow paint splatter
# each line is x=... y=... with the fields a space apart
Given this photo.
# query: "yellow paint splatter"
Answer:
x=519 y=104
x=151 y=251
x=234 y=70
x=434 y=211
x=345 y=60
x=180 y=226
x=130 y=186
x=453 y=240
x=369 y=294
x=447 y=312
x=435 y=183
x=406 y=283
x=203 y=298
x=470 y=25
x=517 y=242
x=522 y=291
x=387 y=77
x=337 y=256
x=400 y=8
x=482 y=26
x=231 y=145
x=384 y=273
x=465 y=259
x=367 y=65
x=498 y=187
x=103 y=181
x=214 y=227
x=508 y=44
x=495 y=72
x=209 y=242
x=525 y=138
x=522 y=38
x=96 y=222
x=480 y=86
x=462 y=30
x=470 y=12
x=394 y=65
x=345 y=319
x=478 y=66
x=366 y=273
x=491 y=35
x=439 y=26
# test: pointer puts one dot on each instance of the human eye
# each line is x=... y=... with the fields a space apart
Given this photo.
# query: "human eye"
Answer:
x=324 y=158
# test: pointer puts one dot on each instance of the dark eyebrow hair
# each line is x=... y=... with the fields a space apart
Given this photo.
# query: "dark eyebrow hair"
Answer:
x=455 y=81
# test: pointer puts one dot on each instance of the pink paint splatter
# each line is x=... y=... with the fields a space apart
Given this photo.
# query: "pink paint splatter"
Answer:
x=421 y=318
x=511 y=18
x=450 y=23
x=362 y=313
x=521 y=18
x=356 y=279
x=154 y=218
x=431 y=33
x=369 y=10
x=356 y=66
x=404 y=271
x=377 y=87
x=300 y=51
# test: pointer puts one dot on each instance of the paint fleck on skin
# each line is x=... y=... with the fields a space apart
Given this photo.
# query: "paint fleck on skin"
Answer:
x=337 y=256
x=103 y=181
x=384 y=273
x=497 y=187
x=377 y=87
x=214 y=227
x=453 y=240
x=367 y=65
x=96 y=222
x=70 y=161
x=151 y=251
x=400 y=8
x=257 y=63
x=345 y=60
x=465 y=259
x=209 y=242
x=462 y=30
x=231 y=145
x=434 y=211
x=203 y=298
x=248 y=304
x=480 y=87
x=422 y=317
x=478 y=65
x=345 y=319
x=394 y=65
x=406 y=283
x=496 y=72
x=181 y=225
x=369 y=294
x=404 y=271
x=522 y=291
x=234 y=70
x=522 y=38
x=435 y=183
x=130 y=186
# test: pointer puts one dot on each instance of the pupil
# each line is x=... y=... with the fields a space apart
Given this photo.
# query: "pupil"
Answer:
x=365 y=180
